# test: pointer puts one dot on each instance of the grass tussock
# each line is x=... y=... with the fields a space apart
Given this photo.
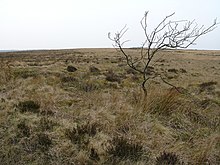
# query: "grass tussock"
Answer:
x=81 y=134
x=207 y=86
x=29 y=106
x=168 y=159
x=51 y=113
x=122 y=148
x=163 y=104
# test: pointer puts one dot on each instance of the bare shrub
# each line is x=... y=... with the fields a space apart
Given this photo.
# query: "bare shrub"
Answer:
x=168 y=34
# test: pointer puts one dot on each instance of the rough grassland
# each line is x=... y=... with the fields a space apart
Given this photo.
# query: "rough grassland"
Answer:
x=86 y=107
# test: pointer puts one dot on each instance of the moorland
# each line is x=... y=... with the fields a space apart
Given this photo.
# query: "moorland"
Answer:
x=86 y=106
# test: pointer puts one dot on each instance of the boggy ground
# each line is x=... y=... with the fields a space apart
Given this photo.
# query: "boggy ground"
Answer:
x=85 y=106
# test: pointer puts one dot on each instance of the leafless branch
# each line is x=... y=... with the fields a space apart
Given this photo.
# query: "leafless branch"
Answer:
x=168 y=34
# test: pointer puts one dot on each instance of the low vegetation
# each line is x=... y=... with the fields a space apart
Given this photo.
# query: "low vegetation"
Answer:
x=97 y=113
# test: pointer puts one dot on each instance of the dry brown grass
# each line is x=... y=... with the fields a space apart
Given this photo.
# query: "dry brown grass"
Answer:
x=98 y=115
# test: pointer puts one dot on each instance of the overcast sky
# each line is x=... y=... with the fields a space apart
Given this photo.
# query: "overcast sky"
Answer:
x=54 y=24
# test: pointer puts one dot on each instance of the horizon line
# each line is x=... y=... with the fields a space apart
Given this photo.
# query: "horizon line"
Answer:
x=72 y=48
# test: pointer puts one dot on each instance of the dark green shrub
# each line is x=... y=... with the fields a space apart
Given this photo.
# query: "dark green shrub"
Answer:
x=45 y=124
x=150 y=70
x=88 y=86
x=43 y=141
x=83 y=84
x=94 y=70
x=80 y=135
x=23 y=129
x=94 y=155
x=29 y=106
x=39 y=141
x=167 y=158
x=112 y=77
x=207 y=86
x=197 y=117
x=183 y=70
x=122 y=148
x=71 y=68
x=47 y=112
x=131 y=71
x=25 y=73
x=205 y=103
x=68 y=79
x=173 y=70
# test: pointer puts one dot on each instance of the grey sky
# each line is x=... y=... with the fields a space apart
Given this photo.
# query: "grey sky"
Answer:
x=48 y=24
